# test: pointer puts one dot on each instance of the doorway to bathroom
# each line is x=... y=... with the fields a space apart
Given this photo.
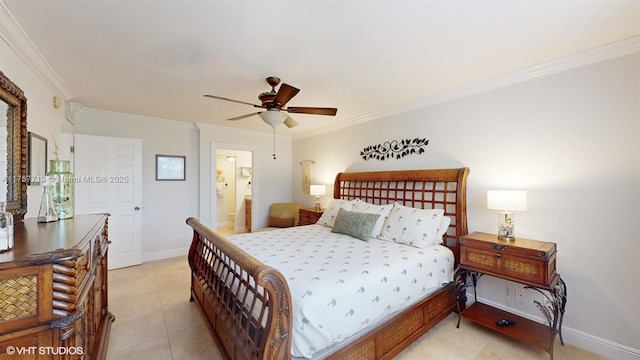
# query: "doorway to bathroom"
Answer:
x=233 y=173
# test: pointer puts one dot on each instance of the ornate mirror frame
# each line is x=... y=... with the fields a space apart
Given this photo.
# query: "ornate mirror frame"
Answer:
x=16 y=178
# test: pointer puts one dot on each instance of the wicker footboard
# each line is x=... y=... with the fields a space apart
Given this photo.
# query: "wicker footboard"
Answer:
x=246 y=304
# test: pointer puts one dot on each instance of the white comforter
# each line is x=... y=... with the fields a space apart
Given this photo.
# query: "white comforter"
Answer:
x=340 y=284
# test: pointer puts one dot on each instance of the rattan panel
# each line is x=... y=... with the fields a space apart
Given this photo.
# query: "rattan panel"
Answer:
x=365 y=352
x=403 y=329
x=521 y=267
x=18 y=297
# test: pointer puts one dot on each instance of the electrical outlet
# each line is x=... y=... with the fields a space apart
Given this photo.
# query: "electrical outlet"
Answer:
x=521 y=295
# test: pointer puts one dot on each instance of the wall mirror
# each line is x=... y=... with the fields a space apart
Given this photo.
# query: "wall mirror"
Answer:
x=13 y=147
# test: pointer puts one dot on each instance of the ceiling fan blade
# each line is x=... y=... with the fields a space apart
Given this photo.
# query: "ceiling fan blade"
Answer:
x=235 y=101
x=244 y=116
x=285 y=93
x=289 y=122
x=312 y=110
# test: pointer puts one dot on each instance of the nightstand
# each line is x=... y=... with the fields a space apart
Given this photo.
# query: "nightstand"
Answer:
x=528 y=262
x=309 y=216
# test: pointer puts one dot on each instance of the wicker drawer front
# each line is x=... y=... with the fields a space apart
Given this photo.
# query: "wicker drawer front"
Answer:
x=528 y=261
x=18 y=297
x=516 y=267
x=23 y=303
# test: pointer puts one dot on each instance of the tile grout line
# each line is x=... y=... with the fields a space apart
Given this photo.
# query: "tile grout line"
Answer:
x=164 y=320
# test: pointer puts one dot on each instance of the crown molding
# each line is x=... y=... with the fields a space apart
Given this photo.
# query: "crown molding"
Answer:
x=240 y=132
x=144 y=120
x=153 y=121
x=17 y=39
x=603 y=53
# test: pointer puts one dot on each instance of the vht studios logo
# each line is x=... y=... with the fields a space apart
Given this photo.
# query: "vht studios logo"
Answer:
x=43 y=350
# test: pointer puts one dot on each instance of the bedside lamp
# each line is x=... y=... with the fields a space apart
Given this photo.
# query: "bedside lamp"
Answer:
x=317 y=191
x=506 y=202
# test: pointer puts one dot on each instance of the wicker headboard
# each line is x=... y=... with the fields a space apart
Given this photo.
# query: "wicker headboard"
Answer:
x=424 y=189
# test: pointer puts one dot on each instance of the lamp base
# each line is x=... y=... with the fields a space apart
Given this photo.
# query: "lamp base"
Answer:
x=506 y=230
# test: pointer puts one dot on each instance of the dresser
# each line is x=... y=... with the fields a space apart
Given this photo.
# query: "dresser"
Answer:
x=53 y=290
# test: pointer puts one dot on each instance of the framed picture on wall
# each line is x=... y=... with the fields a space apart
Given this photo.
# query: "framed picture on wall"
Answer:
x=37 y=159
x=170 y=168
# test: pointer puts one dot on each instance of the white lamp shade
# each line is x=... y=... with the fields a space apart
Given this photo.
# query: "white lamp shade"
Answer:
x=273 y=117
x=507 y=200
x=317 y=190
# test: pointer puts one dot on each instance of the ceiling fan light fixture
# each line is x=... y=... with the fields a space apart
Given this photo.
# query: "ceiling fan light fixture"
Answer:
x=273 y=117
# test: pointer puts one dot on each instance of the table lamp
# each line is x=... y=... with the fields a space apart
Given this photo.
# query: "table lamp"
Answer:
x=506 y=202
x=317 y=191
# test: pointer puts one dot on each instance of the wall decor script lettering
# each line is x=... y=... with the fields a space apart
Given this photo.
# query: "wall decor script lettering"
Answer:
x=394 y=149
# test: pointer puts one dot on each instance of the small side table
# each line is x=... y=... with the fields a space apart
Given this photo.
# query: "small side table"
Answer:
x=309 y=216
x=528 y=262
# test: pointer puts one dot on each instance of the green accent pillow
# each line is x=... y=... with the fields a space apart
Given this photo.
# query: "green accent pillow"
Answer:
x=358 y=225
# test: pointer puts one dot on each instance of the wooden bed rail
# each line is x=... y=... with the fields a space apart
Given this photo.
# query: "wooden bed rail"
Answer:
x=247 y=303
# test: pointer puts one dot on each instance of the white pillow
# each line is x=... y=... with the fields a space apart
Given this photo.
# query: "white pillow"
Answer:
x=442 y=229
x=411 y=226
x=382 y=210
x=330 y=213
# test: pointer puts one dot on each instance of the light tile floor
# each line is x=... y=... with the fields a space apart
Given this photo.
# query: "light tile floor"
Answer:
x=155 y=320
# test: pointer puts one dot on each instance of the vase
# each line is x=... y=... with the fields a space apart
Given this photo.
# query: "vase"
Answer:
x=6 y=228
x=62 y=191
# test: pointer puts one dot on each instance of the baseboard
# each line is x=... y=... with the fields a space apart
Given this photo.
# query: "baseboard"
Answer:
x=224 y=224
x=594 y=344
x=165 y=254
x=240 y=230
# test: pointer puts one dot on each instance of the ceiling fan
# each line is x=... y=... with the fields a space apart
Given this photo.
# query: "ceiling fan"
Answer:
x=274 y=102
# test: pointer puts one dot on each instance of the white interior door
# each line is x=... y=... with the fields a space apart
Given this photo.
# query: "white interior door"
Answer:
x=109 y=180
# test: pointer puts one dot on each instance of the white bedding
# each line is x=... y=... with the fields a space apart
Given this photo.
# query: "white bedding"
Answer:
x=340 y=284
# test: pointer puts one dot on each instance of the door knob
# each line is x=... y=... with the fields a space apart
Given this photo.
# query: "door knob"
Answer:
x=137 y=208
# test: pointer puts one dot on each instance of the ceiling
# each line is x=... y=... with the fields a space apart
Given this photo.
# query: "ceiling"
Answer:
x=157 y=58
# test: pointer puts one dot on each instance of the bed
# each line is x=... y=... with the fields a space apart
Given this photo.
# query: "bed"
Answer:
x=247 y=304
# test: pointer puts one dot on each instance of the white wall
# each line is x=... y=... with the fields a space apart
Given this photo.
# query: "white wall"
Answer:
x=165 y=204
x=42 y=118
x=573 y=141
